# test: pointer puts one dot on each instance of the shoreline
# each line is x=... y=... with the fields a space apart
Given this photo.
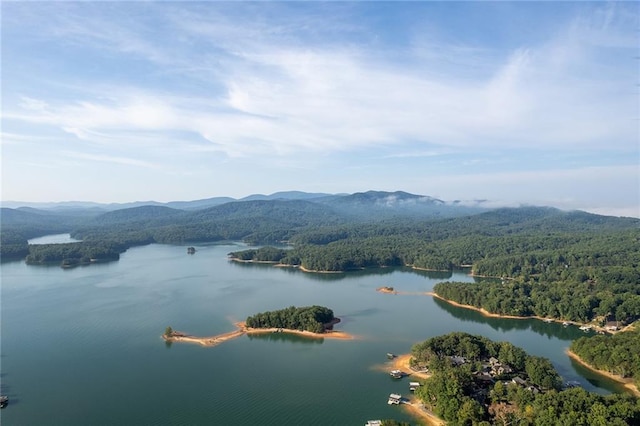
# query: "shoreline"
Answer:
x=536 y=317
x=415 y=406
x=628 y=383
x=242 y=329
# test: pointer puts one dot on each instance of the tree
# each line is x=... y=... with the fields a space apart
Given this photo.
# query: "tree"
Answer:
x=168 y=331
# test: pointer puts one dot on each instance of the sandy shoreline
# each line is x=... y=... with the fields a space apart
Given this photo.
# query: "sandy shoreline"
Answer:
x=492 y=315
x=415 y=407
x=242 y=329
x=628 y=383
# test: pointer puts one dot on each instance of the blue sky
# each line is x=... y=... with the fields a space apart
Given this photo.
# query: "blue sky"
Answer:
x=512 y=102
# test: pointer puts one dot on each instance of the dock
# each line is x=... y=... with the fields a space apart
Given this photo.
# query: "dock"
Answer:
x=394 y=399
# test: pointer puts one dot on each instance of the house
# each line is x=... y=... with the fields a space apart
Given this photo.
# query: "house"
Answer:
x=519 y=381
x=611 y=326
x=485 y=377
x=458 y=360
x=494 y=361
x=504 y=369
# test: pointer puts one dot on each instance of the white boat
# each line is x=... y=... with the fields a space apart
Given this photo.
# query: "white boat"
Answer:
x=394 y=399
x=396 y=374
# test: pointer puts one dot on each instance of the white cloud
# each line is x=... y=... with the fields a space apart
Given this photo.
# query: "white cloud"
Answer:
x=109 y=159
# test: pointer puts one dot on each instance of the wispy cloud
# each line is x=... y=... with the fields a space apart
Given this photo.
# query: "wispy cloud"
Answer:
x=277 y=81
x=108 y=159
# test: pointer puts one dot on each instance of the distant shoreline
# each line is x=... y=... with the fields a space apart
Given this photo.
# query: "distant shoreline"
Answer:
x=242 y=329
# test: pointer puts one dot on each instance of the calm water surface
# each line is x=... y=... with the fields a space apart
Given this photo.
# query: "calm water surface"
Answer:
x=82 y=346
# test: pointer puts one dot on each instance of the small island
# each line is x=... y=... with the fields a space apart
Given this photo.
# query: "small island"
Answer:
x=309 y=321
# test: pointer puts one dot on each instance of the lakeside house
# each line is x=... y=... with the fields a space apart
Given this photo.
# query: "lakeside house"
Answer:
x=458 y=360
x=519 y=381
x=611 y=326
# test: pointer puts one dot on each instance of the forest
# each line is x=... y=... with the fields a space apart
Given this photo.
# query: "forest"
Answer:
x=466 y=387
x=618 y=354
x=315 y=319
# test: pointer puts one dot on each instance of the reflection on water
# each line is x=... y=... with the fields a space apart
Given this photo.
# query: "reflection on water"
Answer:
x=286 y=337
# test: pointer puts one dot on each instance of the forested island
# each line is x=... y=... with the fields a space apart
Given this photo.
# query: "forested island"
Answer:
x=308 y=321
x=477 y=381
x=315 y=319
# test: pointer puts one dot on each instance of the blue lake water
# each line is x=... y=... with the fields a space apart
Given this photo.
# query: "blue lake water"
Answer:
x=82 y=346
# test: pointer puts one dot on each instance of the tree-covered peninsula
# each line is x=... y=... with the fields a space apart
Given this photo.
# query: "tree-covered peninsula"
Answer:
x=316 y=319
x=475 y=381
x=618 y=354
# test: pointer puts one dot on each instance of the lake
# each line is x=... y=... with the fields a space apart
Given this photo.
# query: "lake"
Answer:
x=83 y=346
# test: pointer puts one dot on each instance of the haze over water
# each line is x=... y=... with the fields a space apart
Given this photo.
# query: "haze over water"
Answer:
x=82 y=346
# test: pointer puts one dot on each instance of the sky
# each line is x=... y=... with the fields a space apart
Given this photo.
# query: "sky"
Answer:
x=513 y=102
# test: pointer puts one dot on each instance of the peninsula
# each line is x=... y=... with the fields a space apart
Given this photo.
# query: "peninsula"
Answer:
x=472 y=379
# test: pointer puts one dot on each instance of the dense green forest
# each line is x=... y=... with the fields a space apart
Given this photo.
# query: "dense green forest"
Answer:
x=618 y=354
x=599 y=298
x=476 y=381
x=310 y=318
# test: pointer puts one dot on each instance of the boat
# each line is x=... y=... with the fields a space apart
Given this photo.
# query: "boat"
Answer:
x=565 y=324
x=585 y=328
x=548 y=320
x=4 y=400
x=390 y=355
x=396 y=374
x=394 y=399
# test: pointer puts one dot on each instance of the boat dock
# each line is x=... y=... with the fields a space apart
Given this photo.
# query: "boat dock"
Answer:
x=394 y=399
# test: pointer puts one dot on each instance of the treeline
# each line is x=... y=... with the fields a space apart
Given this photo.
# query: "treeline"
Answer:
x=429 y=246
x=611 y=294
x=310 y=318
x=72 y=254
x=618 y=354
x=457 y=394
